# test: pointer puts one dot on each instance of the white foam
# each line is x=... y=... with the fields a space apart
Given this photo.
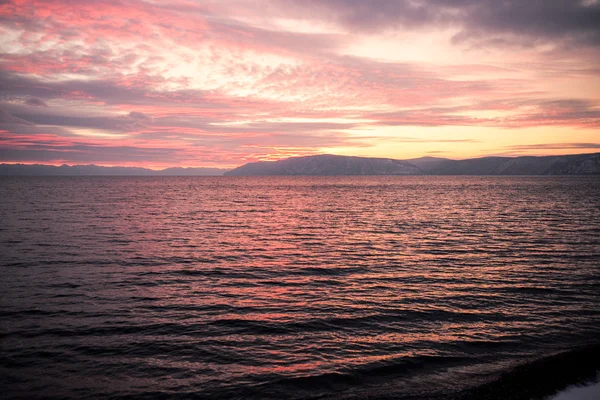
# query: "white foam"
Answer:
x=578 y=392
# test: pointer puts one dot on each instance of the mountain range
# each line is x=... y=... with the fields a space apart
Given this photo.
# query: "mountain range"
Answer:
x=580 y=164
x=327 y=164
x=96 y=170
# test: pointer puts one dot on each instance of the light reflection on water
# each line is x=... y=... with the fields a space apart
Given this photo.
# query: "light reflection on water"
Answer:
x=120 y=286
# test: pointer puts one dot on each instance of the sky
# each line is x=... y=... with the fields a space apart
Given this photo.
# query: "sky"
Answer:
x=218 y=83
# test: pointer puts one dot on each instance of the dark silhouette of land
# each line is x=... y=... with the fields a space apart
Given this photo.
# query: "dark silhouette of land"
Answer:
x=96 y=170
x=580 y=164
x=333 y=165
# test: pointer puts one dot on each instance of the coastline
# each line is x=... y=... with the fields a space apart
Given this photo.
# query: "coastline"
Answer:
x=543 y=378
x=580 y=392
x=566 y=375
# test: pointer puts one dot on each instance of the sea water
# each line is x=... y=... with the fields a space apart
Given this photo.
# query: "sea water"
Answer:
x=290 y=287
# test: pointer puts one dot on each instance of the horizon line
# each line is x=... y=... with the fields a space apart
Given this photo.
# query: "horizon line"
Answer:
x=225 y=169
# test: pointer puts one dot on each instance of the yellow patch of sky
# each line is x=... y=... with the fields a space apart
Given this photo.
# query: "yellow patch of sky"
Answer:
x=88 y=132
x=478 y=141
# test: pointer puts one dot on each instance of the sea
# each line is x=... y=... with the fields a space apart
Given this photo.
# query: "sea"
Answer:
x=390 y=287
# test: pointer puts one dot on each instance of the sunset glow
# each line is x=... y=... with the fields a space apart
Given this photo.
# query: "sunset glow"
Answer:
x=221 y=83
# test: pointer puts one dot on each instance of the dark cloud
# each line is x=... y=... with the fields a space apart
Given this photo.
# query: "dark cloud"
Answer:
x=34 y=101
x=107 y=90
x=139 y=116
x=373 y=15
x=7 y=118
x=49 y=151
x=16 y=118
x=99 y=89
x=107 y=123
x=32 y=130
x=521 y=20
x=535 y=19
x=112 y=92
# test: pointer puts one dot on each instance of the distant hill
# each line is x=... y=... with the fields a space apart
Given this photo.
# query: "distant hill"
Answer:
x=95 y=170
x=581 y=164
x=327 y=165
x=426 y=164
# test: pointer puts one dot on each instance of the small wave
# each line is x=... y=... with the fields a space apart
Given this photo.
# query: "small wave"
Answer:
x=370 y=375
